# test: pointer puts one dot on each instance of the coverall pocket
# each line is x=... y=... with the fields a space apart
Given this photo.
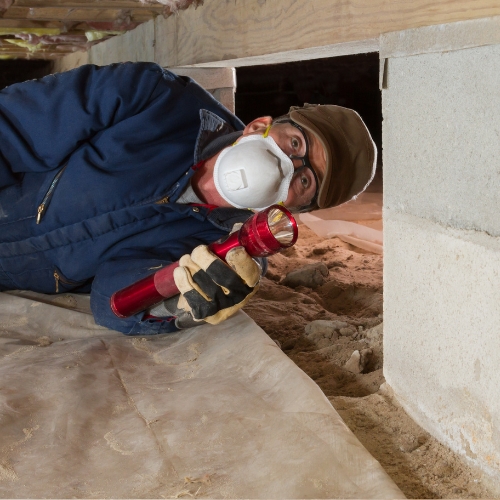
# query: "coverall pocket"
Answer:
x=63 y=284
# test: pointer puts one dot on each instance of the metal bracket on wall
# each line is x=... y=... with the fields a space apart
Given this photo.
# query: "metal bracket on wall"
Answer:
x=384 y=67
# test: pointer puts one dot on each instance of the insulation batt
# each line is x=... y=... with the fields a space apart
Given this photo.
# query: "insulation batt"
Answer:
x=52 y=39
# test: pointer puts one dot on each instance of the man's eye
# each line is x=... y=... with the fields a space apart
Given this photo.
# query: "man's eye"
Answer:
x=304 y=181
x=295 y=144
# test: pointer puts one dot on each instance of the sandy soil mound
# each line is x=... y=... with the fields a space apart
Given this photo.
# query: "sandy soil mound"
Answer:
x=334 y=332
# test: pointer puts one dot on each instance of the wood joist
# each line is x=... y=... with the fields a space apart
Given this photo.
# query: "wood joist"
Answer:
x=246 y=32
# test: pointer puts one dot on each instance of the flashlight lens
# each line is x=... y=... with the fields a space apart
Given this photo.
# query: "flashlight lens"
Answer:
x=281 y=226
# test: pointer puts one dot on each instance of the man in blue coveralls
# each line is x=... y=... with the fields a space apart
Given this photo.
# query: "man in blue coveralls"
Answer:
x=109 y=172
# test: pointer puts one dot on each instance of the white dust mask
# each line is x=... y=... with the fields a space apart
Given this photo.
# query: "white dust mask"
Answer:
x=253 y=173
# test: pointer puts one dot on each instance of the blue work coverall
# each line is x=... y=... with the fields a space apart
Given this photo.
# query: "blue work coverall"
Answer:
x=91 y=163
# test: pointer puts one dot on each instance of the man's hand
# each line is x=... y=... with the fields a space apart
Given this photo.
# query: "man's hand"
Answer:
x=212 y=290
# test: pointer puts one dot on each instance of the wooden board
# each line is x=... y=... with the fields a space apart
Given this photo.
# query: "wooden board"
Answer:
x=210 y=78
x=91 y=12
x=28 y=24
x=228 y=30
x=105 y=4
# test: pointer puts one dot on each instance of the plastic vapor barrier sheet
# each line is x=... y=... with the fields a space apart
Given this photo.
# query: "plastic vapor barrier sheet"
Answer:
x=210 y=412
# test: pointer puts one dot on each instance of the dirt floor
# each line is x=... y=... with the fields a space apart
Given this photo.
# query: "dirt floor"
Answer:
x=347 y=363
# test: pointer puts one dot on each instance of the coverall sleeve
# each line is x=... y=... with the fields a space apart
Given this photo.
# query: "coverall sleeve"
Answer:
x=115 y=275
x=43 y=121
x=127 y=268
x=119 y=273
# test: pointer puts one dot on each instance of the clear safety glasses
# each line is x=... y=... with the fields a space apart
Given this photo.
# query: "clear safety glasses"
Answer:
x=305 y=180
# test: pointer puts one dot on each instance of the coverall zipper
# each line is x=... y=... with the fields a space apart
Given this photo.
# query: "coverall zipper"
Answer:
x=48 y=195
x=59 y=278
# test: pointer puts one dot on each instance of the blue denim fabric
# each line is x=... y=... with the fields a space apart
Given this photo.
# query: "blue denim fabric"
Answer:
x=5 y=282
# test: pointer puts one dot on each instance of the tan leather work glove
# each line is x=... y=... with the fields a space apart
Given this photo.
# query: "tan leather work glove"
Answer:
x=212 y=290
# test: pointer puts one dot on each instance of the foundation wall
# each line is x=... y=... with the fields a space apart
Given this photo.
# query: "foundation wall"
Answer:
x=441 y=155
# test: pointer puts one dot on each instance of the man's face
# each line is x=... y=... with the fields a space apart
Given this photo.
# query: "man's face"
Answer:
x=299 y=143
x=295 y=143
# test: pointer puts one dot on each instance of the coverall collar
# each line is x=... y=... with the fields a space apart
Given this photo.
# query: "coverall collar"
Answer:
x=214 y=135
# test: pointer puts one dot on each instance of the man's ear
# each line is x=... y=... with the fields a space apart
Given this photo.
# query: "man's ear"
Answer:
x=258 y=125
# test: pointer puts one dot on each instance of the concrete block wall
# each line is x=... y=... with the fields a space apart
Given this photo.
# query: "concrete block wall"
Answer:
x=441 y=155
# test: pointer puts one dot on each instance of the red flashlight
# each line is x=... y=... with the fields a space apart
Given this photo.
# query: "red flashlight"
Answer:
x=265 y=233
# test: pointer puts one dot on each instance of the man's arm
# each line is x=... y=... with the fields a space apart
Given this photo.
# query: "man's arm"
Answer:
x=212 y=290
x=116 y=274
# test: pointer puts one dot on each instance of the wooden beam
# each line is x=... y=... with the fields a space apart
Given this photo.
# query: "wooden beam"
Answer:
x=24 y=54
x=105 y=4
x=91 y=12
x=28 y=23
x=335 y=50
x=85 y=4
x=223 y=31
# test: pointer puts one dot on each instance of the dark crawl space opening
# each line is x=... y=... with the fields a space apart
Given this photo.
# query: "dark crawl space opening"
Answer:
x=350 y=81
x=20 y=70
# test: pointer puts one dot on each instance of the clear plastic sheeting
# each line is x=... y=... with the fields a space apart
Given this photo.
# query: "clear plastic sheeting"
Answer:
x=358 y=235
x=367 y=206
x=343 y=222
x=210 y=412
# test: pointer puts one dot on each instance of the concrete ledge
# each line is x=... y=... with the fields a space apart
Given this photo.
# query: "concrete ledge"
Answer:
x=441 y=38
x=442 y=333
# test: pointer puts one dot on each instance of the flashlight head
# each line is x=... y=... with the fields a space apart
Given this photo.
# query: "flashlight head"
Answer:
x=269 y=231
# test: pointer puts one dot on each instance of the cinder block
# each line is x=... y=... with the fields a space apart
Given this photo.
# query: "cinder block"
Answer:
x=441 y=137
x=442 y=332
